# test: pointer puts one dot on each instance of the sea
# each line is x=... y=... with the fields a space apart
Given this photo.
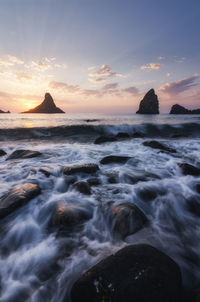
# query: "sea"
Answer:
x=39 y=262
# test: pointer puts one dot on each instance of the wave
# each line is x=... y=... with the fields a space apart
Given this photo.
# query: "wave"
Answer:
x=191 y=130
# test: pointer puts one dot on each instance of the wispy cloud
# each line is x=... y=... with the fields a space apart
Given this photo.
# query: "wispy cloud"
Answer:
x=131 y=90
x=97 y=80
x=105 y=71
x=161 y=58
x=23 y=76
x=151 y=66
x=180 y=86
x=64 y=87
x=9 y=60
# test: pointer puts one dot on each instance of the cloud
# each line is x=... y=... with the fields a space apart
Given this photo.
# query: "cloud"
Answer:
x=161 y=58
x=45 y=64
x=151 y=66
x=105 y=71
x=10 y=61
x=23 y=76
x=97 y=80
x=110 y=86
x=64 y=87
x=131 y=90
x=168 y=74
x=177 y=87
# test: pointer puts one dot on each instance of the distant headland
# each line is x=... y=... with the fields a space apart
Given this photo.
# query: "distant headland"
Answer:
x=1 y=111
x=47 y=106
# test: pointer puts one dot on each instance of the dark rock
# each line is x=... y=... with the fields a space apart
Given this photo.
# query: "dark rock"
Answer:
x=83 y=187
x=149 y=104
x=188 y=169
x=47 y=106
x=45 y=172
x=138 y=273
x=178 y=109
x=137 y=135
x=158 y=145
x=94 y=181
x=70 y=179
x=194 y=206
x=2 y=152
x=198 y=188
x=23 y=154
x=17 y=197
x=127 y=219
x=1 y=111
x=69 y=215
x=147 y=194
x=87 y=168
x=139 y=175
x=122 y=135
x=105 y=139
x=114 y=159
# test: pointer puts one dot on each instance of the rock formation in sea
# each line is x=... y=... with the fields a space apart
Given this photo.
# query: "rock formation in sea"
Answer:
x=149 y=104
x=47 y=106
x=1 y=111
x=178 y=109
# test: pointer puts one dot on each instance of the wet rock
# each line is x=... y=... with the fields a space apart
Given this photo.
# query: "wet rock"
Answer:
x=198 y=188
x=83 y=187
x=139 y=273
x=137 y=176
x=158 y=145
x=137 y=135
x=17 y=197
x=147 y=194
x=122 y=135
x=194 y=206
x=114 y=159
x=94 y=181
x=2 y=152
x=105 y=139
x=69 y=215
x=127 y=219
x=45 y=172
x=70 y=179
x=149 y=104
x=188 y=169
x=88 y=168
x=23 y=154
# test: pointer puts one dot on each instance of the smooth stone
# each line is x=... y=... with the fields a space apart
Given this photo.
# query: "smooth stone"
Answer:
x=114 y=159
x=17 y=197
x=105 y=139
x=83 y=187
x=188 y=169
x=127 y=219
x=88 y=168
x=23 y=154
x=158 y=145
x=139 y=273
x=2 y=152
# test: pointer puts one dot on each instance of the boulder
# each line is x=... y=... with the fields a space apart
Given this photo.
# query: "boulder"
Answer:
x=178 y=109
x=83 y=187
x=114 y=159
x=188 y=169
x=2 y=152
x=193 y=205
x=23 y=154
x=94 y=181
x=17 y=197
x=127 y=219
x=87 y=168
x=68 y=215
x=137 y=135
x=147 y=194
x=158 y=145
x=149 y=104
x=122 y=135
x=138 y=273
x=105 y=139
x=47 y=106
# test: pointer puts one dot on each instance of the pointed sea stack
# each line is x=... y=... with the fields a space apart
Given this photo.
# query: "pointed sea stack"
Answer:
x=149 y=104
x=178 y=109
x=47 y=106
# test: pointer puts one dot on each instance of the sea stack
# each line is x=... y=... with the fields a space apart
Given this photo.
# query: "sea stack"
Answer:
x=1 y=111
x=47 y=106
x=149 y=104
x=178 y=109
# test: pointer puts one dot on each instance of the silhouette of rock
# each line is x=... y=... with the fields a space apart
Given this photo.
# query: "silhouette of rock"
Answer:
x=47 y=106
x=1 y=111
x=178 y=109
x=23 y=154
x=149 y=104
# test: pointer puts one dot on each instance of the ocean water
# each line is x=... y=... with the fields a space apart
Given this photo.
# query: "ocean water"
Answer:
x=40 y=263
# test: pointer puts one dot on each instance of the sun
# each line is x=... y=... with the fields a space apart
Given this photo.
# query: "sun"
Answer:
x=29 y=105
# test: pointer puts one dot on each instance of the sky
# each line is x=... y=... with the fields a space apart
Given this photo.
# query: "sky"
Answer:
x=99 y=55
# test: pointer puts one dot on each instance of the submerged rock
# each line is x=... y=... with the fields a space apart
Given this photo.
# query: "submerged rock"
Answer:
x=137 y=135
x=147 y=194
x=47 y=106
x=178 y=109
x=23 y=154
x=114 y=159
x=2 y=152
x=188 y=169
x=83 y=187
x=87 y=168
x=158 y=145
x=45 y=172
x=105 y=139
x=149 y=104
x=122 y=135
x=17 y=197
x=127 y=219
x=198 y=188
x=139 y=273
